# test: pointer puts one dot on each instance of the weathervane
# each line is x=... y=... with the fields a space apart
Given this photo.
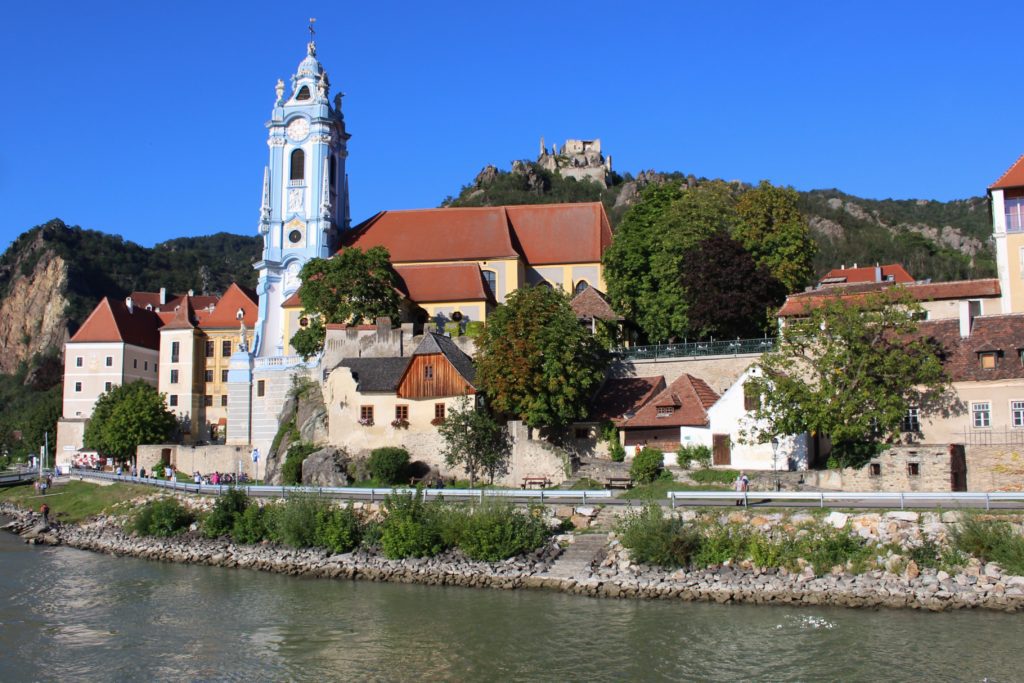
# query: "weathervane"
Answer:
x=312 y=31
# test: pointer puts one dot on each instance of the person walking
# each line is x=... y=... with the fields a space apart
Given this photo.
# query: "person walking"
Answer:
x=740 y=486
x=44 y=510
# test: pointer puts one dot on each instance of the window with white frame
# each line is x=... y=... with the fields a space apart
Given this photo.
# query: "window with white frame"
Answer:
x=981 y=414
x=1017 y=413
x=912 y=420
x=1014 y=214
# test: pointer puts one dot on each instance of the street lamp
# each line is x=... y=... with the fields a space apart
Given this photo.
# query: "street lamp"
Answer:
x=775 y=463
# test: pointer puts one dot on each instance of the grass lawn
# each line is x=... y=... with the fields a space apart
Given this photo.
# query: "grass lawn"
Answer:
x=75 y=500
x=659 y=489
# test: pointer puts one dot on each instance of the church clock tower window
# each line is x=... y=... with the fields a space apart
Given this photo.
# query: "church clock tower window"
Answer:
x=303 y=94
x=298 y=166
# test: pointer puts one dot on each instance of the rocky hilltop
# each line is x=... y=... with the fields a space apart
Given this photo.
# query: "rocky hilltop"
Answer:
x=937 y=240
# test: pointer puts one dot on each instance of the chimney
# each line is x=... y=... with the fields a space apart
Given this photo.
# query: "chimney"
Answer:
x=878 y=273
x=163 y=296
x=129 y=304
x=969 y=310
x=191 y=292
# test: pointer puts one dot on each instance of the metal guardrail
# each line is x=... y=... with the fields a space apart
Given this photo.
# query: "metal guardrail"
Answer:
x=371 y=494
x=853 y=499
x=18 y=477
x=732 y=347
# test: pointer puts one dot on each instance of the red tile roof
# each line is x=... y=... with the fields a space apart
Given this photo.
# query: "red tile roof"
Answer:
x=590 y=304
x=689 y=396
x=468 y=234
x=961 y=359
x=561 y=233
x=1014 y=176
x=293 y=301
x=443 y=282
x=144 y=299
x=802 y=302
x=110 y=321
x=184 y=317
x=869 y=274
x=225 y=312
x=540 y=234
x=622 y=395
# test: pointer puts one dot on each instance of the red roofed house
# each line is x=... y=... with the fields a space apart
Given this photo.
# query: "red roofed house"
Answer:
x=1007 y=196
x=457 y=263
x=118 y=343
x=848 y=276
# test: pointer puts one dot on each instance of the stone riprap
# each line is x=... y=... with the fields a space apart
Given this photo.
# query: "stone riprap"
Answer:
x=615 y=576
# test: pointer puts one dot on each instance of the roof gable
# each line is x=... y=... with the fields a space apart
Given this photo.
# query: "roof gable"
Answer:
x=434 y=343
x=590 y=304
x=111 y=321
x=689 y=398
x=1013 y=177
x=225 y=312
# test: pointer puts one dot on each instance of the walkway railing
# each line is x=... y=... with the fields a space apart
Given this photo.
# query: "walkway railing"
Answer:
x=1007 y=436
x=733 y=347
x=348 y=493
x=854 y=499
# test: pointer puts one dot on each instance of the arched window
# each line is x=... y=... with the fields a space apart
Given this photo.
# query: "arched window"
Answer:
x=303 y=93
x=298 y=165
x=580 y=286
x=491 y=280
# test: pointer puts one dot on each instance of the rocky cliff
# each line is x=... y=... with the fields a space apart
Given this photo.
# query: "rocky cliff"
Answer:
x=33 y=318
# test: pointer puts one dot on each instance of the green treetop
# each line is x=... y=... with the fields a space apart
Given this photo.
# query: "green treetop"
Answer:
x=850 y=370
x=536 y=362
x=351 y=287
x=773 y=230
x=127 y=416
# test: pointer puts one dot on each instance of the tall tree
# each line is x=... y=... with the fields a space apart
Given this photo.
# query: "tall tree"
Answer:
x=850 y=370
x=127 y=416
x=642 y=266
x=536 y=362
x=729 y=295
x=772 y=228
x=351 y=287
x=475 y=441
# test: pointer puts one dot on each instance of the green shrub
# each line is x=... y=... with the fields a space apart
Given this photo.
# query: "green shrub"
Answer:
x=647 y=465
x=389 y=464
x=990 y=540
x=251 y=526
x=616 y=451
x=337 y=528
x=824 y=547
x=371 y=534
x=697 y=453
x=714 y=476
x=291 y=470
x=296 y=521
x=655 y=539
x=162 y=517
x=723 y=542
x=410 y=528
x=495 y=531
x=227 y=509
x=474 y=328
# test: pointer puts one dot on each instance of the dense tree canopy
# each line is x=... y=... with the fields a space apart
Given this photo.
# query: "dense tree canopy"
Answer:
x=850 y=371
x=351 y=287
x=125 y=417
x=475 y=441
x=536 y=362
x=730 y=296
x=772 y=229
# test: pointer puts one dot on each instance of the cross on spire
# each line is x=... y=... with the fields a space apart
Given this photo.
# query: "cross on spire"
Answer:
x=312 y=30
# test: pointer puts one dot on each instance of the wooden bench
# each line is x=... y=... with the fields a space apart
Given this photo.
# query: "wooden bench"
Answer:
x=618 y=483
x=536 y=482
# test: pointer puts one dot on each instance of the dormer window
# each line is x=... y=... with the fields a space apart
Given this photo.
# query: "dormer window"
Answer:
x=987 y=359
x=666 y=411
x=298 y=165
x=303 y=94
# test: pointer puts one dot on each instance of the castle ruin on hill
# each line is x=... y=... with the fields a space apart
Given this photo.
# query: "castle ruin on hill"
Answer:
x=579 y=159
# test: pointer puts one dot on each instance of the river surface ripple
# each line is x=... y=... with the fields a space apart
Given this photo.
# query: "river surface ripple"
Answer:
x=71 y=615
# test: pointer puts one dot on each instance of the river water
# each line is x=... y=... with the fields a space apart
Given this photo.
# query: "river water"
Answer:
x=71 y=615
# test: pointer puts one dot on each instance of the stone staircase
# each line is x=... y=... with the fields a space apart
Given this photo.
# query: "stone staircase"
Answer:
x=577 y=562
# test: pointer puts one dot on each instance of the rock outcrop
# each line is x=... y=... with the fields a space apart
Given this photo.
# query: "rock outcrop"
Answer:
x=326 y=467
x=33 y=318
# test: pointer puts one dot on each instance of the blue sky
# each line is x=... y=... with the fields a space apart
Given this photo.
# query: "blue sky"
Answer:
x=147 y=119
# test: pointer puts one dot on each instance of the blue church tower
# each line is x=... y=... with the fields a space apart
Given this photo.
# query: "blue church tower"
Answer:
x=305 y=193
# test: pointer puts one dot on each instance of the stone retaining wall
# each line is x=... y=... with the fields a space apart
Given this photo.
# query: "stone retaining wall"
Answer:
x=982 y=586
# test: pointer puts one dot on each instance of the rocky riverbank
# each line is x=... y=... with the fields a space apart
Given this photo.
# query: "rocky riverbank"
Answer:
x=611 y=574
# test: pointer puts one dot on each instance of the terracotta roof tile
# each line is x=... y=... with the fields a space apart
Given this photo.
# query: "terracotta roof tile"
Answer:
x=689 y=396
x=144 y=299
x=468 y=234
x=293 y=301
x=184 y=317
x=869 y=274
x=443 y=282
x=1014 y=176
x=800 y=303
x=1003 y=333
x=561 y=233
x=110 y=321
x=622 y=395
x=225 y=312
x=590 y=304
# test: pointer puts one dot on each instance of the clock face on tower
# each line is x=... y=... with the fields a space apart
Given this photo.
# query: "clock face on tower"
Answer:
x=298 y=129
